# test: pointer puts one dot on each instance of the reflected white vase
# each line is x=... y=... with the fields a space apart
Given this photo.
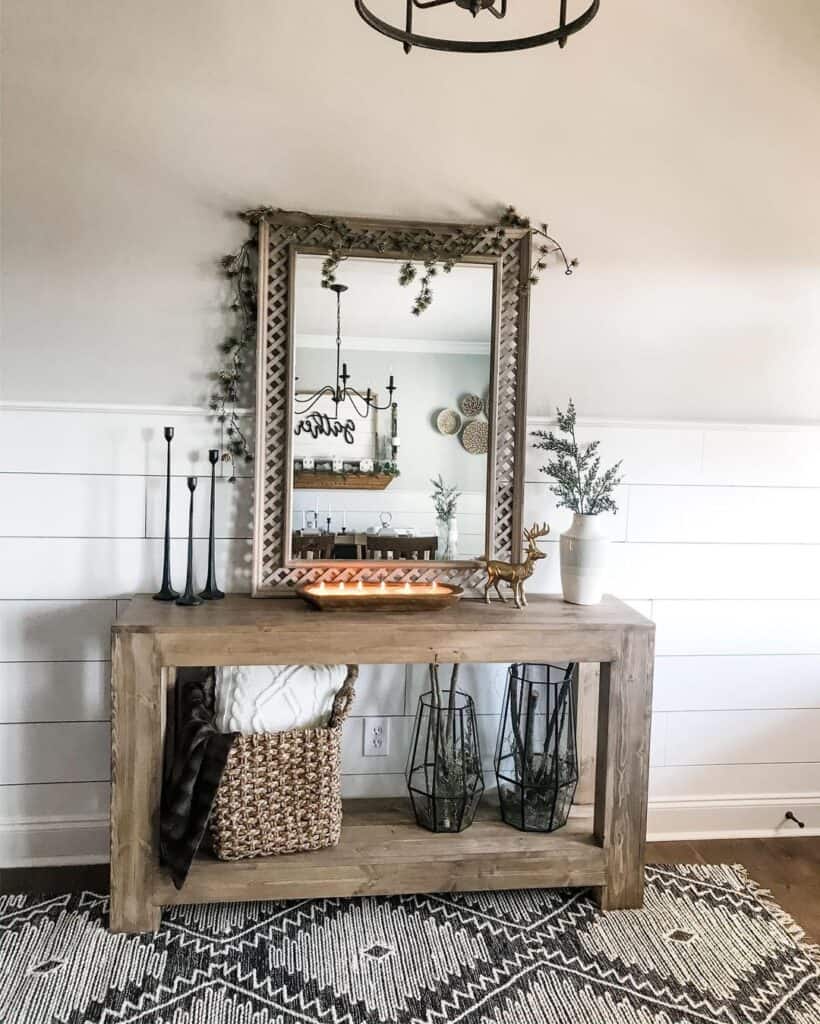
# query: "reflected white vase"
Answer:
x=447 y=530
x=584 y=559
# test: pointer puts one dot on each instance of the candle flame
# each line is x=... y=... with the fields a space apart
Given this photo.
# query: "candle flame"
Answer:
x=382 y=588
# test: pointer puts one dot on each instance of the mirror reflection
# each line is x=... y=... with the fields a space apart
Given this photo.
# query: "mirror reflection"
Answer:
x=390 y=413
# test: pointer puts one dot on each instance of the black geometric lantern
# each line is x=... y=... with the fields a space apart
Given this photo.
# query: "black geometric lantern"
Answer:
x=536 y=762
x=557 y=32
x=444 y=767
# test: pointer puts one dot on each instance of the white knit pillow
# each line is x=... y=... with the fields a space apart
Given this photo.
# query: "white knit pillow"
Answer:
x=274 y=698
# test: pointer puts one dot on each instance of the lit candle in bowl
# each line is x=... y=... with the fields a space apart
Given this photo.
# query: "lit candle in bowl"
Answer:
x=379 y=595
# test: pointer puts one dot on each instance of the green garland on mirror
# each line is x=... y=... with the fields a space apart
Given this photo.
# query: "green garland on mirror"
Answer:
x=237 y=354
x=425 y=248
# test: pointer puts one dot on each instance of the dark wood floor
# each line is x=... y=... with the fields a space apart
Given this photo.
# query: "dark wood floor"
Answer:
x=790 y=868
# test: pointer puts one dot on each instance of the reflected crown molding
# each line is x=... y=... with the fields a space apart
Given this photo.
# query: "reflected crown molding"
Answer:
x=414 y=346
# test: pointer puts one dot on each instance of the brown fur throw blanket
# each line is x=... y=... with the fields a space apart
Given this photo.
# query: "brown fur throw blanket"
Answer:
x=193 y=771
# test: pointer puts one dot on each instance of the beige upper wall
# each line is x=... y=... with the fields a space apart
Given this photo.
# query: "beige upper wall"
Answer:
x=674 y=147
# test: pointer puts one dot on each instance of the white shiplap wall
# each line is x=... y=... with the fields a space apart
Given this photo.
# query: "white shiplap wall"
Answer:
x=718 y=539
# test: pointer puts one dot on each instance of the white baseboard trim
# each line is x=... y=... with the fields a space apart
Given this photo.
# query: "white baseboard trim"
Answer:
x=36 y=843
x=48 y=843
x=757 y=816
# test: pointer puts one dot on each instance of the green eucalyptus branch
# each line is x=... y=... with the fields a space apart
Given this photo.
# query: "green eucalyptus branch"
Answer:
x=445 y=499
x=575 y=469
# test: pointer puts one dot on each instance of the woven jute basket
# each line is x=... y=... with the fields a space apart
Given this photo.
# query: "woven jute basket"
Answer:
x=281 y=791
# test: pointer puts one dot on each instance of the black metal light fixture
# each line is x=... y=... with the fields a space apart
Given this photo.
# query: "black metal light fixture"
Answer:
x=340 y=392
x=498 y=8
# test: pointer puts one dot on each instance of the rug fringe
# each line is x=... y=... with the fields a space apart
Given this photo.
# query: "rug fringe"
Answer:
x=783 y=917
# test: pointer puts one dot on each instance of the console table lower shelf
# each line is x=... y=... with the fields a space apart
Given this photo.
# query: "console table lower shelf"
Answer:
x=383 y=851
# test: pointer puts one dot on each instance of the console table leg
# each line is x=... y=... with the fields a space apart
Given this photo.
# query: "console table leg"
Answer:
x=137 y=720
x=622 y=769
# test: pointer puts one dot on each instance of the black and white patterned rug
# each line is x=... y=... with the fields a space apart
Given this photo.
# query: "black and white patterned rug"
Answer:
x=709 y=948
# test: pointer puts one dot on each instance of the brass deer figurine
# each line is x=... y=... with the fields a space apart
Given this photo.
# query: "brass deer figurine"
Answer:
x=515 y=573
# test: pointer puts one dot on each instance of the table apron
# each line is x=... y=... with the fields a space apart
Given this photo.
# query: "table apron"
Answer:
x=271 y=648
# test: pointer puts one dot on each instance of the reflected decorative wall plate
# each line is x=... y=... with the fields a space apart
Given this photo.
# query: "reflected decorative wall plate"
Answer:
x=448 y=422
x=475 y=437
x=471 y=405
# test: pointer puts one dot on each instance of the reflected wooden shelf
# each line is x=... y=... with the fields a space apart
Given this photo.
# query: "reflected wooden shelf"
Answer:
x=308 y=479
x=384 y=851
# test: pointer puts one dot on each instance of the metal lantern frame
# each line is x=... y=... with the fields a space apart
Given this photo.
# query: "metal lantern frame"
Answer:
x=537 y=779
x=498 y=8
x=437 y=725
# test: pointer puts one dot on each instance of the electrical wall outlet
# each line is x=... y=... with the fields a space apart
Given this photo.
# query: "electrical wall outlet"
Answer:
x=376 y=737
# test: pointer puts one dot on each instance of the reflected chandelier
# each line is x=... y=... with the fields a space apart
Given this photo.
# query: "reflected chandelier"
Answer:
x=362 y=405
x=498 y=8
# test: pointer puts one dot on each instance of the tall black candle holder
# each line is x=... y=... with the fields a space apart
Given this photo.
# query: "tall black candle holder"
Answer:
x=166 y=592
x=212 y=591
x=190 y=598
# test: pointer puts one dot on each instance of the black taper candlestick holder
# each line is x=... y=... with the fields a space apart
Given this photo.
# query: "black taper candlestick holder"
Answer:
x=166 y=591
x=190 y=598
x=212 y=591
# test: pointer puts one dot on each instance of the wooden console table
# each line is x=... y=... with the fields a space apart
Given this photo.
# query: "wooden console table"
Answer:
x=382 y=850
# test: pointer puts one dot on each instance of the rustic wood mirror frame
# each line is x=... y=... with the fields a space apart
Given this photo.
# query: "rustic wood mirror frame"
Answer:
x=280 y=237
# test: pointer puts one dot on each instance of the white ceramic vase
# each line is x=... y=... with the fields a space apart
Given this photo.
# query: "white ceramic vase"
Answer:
x=584 y=555
x=452 y=540
x=447 y=530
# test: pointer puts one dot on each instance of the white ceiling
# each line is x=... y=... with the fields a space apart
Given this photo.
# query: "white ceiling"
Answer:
x=376 y=306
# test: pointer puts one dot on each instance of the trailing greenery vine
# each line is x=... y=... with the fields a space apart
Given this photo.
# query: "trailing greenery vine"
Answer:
x=237 y=351
x=428 y=253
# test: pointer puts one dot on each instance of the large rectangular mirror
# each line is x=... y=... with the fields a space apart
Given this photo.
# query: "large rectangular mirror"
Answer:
x=344 y=489
x=387 y=409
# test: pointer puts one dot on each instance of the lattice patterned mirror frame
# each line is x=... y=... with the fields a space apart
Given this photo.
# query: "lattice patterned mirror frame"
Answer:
x=280 y=235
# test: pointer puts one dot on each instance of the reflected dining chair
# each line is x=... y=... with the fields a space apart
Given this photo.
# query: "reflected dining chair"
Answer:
x=314 y=546
x=417 y=548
